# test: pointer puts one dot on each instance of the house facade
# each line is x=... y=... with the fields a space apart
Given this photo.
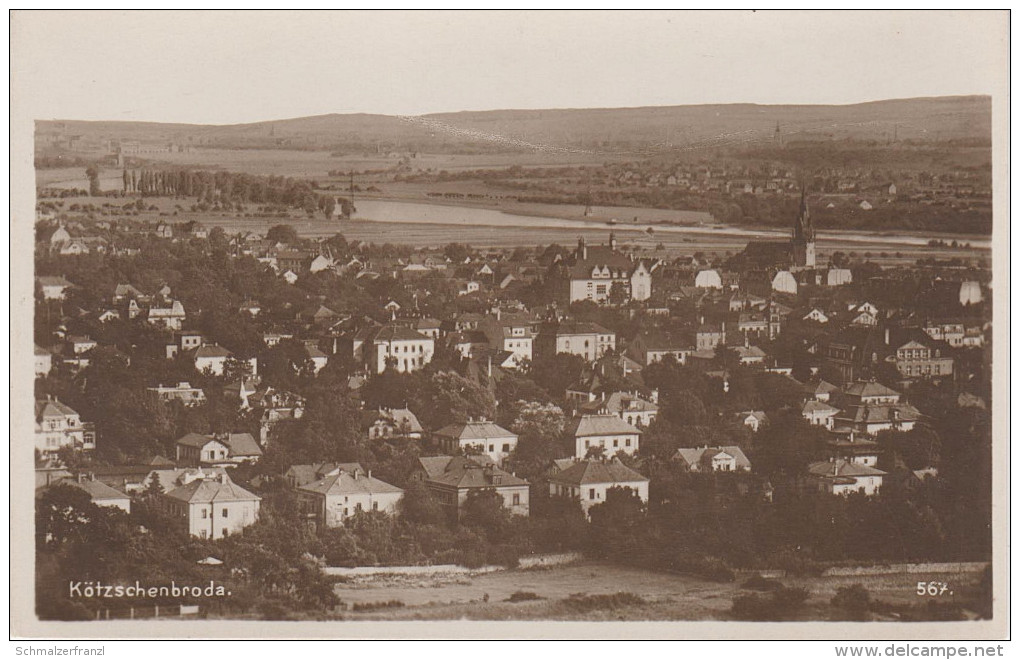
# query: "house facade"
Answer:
x=589 y=480
x=608 y=432
x=341 y=494
x=211 y=507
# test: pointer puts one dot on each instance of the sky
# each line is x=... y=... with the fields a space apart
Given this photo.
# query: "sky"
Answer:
x=237 y=67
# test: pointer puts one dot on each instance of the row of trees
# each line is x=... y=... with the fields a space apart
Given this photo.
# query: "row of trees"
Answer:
x=227 y=188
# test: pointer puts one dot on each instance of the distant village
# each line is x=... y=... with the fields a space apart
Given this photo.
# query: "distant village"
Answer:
x=195 y=375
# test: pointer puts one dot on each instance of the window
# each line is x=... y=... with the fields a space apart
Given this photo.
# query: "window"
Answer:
x=616 y=442
x=628 y=442
x=492 y=448
x=202 y=534
x=347 y=512
x=226 y=532
x=224 y=512
x=205 y=514
x=517 y=499
x=375 y=506
x=591 y=493
x=506 y=446
x=357 y=508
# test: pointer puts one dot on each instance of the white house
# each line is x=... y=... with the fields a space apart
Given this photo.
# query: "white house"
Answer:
x=784 y=282
x=841 y=477
x=608 y=432
x=708 y=279
x=713 y=459
x=397 y=345
x=53 y=288
x=481 y=435
x=341 y=494
x=819 y=413
x=211 y=508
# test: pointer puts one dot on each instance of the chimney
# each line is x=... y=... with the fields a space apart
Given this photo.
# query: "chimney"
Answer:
x=224 y=479
x=887 y=336
x=369 y=474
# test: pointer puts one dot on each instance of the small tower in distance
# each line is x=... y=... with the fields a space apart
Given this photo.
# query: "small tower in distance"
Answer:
x=803 y=243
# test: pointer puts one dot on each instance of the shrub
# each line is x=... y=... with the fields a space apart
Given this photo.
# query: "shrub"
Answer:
x=759 y=583
x=854 y=600
x=581 y=603
x=519 y=596
x=380 y=605
x=780 y=605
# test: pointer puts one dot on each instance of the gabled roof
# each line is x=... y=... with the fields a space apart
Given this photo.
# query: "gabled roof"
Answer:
x=704 y=455
x=51 y=408
x=212 y=490
x=396 y=333
x=347 y=483
x=842 y=468
x=210 y=351
x=481 y=430
x=869 y=388
x=471 y=472
x=813 y=406
x=51 y=280
x=593 y=425
x=197 y=440
x=620 y=402
x=306 y=474
x=242 y=444
x=596 y=472
x=97 y=490
x=398 y=417
x=820 y=387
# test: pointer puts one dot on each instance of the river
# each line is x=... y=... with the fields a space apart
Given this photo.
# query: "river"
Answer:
x=478 y=225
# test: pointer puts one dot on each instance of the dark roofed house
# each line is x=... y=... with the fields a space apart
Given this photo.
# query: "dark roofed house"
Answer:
x=589 y=480
x=453 y=478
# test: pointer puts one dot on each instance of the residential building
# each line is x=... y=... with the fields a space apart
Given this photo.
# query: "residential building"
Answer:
x=393 y=423
x=602 y=274
x=606 y=432
x=171 y=317
x=477 y=436
x=43 y=361
x=589 y=340
x=648 y=348
x=713 y=459
x=841 y=477
x=590 y=480
x=819 y=413
x=631 y=408
x=300 y=475
x=218 y=449
x=53 y=288
x=393 y=345
x=453 y=478
x=340 y=494
x=183 y=392
x=211 y=507
x=58 y=425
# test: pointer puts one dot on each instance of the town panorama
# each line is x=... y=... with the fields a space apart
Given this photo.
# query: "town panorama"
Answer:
x=724 y=363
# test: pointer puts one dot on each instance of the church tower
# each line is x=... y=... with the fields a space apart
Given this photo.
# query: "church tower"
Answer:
x=803 y=243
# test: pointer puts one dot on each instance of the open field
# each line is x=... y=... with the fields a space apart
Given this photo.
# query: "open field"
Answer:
x=667 y=596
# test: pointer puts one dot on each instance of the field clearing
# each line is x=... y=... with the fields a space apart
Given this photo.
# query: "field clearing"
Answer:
x=668 y=596
x=317 y=164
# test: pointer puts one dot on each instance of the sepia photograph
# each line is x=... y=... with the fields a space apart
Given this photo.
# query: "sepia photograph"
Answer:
x=510 y=325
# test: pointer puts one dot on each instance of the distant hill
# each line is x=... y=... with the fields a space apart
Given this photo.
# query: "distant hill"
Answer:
x=963 y=118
